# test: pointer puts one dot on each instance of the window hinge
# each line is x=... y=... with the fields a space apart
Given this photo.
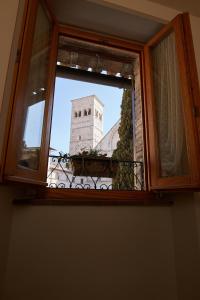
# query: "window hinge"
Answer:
x=18 y=56
x=196 y=112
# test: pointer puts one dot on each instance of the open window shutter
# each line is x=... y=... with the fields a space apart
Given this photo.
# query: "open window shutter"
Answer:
x=28 y=145
x=172 y=135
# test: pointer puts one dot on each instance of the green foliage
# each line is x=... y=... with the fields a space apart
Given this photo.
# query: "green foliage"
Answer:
x=92 y=153
x=124 y=178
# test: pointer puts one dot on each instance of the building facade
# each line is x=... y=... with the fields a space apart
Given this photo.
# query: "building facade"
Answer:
x=86 y=123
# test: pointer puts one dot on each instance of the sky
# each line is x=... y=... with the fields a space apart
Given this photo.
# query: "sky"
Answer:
x=65 y=91
x=33 y=126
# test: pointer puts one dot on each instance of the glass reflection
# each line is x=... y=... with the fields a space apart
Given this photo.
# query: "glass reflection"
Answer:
x=35 y=94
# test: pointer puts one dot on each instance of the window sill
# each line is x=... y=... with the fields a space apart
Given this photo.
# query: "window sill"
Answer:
x=93 y=197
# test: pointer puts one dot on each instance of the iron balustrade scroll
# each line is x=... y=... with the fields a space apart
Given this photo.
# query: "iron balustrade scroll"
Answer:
x=73 y=172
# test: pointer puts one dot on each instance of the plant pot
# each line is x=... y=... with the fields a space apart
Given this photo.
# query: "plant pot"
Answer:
x=94 y=166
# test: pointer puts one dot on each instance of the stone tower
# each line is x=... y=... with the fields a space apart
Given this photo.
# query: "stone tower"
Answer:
x=86 y=124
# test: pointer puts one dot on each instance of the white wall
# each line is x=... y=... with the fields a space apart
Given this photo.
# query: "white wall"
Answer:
x=6 y=196
x=11 y=14
x=66 y=252
x=8 y=12
x=186 y=246
x=142 y=7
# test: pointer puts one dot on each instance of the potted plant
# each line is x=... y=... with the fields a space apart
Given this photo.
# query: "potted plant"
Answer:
x=93 y=163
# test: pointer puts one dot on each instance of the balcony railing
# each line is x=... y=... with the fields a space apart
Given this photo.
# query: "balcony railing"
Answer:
x=75 y=172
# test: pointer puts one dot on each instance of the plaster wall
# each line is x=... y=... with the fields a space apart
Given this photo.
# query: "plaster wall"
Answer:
x=11 y=15
x=5 y=227
x=185 y=222
x=197 y=211
x=8 y=13
x=66 y=252
x=8 y=26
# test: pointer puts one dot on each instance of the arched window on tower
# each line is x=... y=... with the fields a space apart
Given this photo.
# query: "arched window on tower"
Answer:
x=85 y=112
x=79 y=113
x=89 y=111
x=75 y=114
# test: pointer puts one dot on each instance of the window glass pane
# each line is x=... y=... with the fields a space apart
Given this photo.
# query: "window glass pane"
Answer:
x=36 y=93
x=169 y=110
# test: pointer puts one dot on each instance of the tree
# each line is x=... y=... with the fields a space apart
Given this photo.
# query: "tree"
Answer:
x=124 y=178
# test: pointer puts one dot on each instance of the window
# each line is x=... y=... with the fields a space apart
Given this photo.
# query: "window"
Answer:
x=171 y=140
x=171 y=127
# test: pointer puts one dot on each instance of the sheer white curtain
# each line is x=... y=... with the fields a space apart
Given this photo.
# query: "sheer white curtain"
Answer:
x=169 y=110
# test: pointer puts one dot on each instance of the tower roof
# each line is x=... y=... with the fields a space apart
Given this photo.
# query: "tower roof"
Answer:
x=86 y=98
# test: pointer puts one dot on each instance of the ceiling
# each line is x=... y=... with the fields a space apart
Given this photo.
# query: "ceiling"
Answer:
x=192 y=6
x=96 y=17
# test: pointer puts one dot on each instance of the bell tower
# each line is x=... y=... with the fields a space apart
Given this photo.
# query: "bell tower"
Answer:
x=86 y=123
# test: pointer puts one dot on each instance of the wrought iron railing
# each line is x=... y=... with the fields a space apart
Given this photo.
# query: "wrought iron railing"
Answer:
x=75 y=172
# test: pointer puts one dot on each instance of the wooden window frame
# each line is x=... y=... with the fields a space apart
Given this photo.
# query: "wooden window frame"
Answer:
x=104 y=196
x=83 y=195
x=178 y=25
x=11 y=171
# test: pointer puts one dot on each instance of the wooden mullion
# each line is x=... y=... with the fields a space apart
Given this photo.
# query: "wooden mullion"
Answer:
x=144 y=121
x=192 y=69
x=151 y=130
x=44 y=153
x=192 y=142
x=101 y=39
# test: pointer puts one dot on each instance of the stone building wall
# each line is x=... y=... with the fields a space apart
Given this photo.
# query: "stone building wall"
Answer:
x=86 y=123
x=98 y=119
x=109 y=142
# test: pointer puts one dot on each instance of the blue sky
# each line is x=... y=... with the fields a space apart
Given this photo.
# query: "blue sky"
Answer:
x=33 y=127
x=65 y=91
